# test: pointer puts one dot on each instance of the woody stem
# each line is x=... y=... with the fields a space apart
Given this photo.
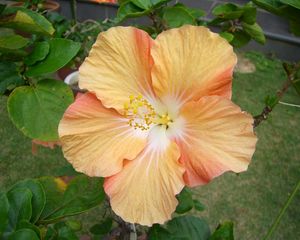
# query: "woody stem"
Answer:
x=290 y=72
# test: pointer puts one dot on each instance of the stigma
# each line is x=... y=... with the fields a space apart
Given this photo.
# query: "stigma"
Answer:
x=142 y=115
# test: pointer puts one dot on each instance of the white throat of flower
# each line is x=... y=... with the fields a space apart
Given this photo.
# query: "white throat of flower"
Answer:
x=143 y=115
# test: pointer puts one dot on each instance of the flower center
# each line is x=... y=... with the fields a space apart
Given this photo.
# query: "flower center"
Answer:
x=141 y=114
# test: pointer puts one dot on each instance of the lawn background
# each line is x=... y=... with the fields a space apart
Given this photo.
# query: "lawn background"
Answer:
x=251 y=199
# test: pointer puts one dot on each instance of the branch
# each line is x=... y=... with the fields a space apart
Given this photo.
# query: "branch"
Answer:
x=290 y=72
x=282 y=211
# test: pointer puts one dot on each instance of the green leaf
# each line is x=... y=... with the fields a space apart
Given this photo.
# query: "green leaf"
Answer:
x=67 y=170
x=75 y=225
x=28 y=21
x=40 y=51
x=65 y=232
x=185 y=201
x=195 y=12
x=27 y=225
x=269 y=5
x=223 y=232
x=4 y=208
x=277 y=7
x=20 y=207
x=37 y=110
x=51 y=234
x=249 y=14
x=9 y=77
x=198 y=205
x=177 y=16
x=240 y=39
x=228 y=36
x=38 y=196
x=24 y=234
x=73 y=201
x=102 y=228
x=61 y=53
x=148 y=4
x=54 y=189
x=227 y=11
x=293 y=3
x=129 y=10
x=157 y=232
x=7 y=32
x=12 y=42
x=255 y=32
x=188 y=228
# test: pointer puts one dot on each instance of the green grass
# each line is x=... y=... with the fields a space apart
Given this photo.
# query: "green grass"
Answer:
x=252 y=199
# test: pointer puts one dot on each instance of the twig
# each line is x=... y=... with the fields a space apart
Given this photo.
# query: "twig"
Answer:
x=268 y=109
x=282 y=211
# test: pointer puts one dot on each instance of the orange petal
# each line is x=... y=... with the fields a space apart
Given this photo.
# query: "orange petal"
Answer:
x=144 y=191
x=118 y=66
x=95 y=140
x=191 y=62
x=218 y=137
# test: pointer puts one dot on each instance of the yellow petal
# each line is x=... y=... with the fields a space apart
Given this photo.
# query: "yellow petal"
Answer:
x=144 y=191
x=118 y=66
x=95 y=140
x=219 y=137
x=191 y=62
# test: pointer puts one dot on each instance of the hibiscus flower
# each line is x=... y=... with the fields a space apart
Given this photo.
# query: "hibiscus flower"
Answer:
x=157 y=117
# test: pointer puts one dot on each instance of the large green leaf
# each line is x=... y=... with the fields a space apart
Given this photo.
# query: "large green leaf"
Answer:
x=27 y=225
x=80 y=195
x=273 y=6
x=148 y=4
x=279 y=8
x=249 y=14
x=157 y=232
x=40 y=51
x=185 y=201
x=177 y=16
x=12 y=42
x=38 y=196
x=129 y=10
x=227 y=11
x=198 y=205
x=61 y=53
x=293 y=3
x=9 y=77
x=20 y=207
x=228 y=36
x=54 y=189
x=255 y=32
x=24 y=234
x=223 y=232
x=37 y=110
x=183 y=228
x=28 y=21
x=4 y=208
x=188 y=228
